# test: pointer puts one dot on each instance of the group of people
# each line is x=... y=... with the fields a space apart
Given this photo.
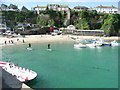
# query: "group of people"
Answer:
x=11 y=41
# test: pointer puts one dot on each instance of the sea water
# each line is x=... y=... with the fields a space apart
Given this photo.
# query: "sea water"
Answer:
x=67 y=67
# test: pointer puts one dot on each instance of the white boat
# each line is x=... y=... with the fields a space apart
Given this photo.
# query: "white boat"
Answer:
x=92 y=45
x=20 y=73
x=80 y=45
x=102 y=42
x=115 y=43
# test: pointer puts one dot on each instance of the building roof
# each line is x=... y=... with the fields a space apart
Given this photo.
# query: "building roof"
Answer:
x=80 y=7
x=40 y=7
x=63 y=5
x=43 y=7
x=105 y=7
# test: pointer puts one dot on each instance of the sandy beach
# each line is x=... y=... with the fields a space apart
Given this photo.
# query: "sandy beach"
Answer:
x=48 y=38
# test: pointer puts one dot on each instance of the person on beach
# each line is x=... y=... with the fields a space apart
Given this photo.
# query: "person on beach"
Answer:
x=12 y=41
x=48 y=46
x=5 y=42
x=29 y=45
x=23 y=41
x=9 y=41
x=17 y=39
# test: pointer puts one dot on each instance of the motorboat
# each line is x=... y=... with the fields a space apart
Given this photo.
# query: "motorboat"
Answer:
x=102 y=42
x=115 y=43
x=20 y=73
x=106 y=44
x=80 y=45
x=92 y=45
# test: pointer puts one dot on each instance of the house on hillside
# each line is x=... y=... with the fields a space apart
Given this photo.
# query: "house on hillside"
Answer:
x=39 y=8
x=63 y=8
x=11 y=7
x=106 y=9
x=53 y=6
x=80 y=8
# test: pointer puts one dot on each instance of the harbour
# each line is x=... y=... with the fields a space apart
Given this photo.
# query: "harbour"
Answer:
x=67 y=67
x=59 y=44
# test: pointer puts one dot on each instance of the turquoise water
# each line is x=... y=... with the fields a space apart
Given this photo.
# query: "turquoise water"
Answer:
x=67 y=67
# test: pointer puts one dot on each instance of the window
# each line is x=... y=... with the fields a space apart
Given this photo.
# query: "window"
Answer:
x=115 y=11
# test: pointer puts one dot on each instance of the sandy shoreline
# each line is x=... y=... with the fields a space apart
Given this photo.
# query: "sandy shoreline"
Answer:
x=49 y=38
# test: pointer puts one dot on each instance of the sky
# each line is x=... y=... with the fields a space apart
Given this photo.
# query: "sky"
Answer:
x=72 y=3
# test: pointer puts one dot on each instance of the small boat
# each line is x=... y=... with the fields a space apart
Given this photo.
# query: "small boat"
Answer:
x=20 y=73
x=80 y=45
x=106 y=44
x=94 y=44
x=91 y=45
x=115 y=43
x=103 y=43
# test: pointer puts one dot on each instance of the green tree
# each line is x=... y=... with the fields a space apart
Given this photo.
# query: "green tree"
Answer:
x=51 y=22
x=83 y=24
x=43 y=19
x=111 y=24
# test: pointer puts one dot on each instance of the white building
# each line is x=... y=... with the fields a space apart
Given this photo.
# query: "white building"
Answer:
x=80 y=8
x=53 y=6
x=40 y=8
x=106 y=9
x=63 y=8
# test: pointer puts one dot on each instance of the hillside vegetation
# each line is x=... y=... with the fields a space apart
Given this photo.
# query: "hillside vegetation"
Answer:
x=87 y=20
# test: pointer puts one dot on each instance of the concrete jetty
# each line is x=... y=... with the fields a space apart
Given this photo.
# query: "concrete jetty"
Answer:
x=24 y=86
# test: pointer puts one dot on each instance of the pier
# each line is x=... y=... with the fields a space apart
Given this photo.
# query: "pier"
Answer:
x=24 y=86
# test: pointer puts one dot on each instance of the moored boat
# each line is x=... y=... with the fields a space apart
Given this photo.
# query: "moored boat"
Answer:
x=91 y=45
x=115 y=43
x=20 y=73
x=80 y=45
x=106 y=44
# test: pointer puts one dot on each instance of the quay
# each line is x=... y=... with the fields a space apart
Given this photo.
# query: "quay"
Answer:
x=7 y=81
x=24 y=86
